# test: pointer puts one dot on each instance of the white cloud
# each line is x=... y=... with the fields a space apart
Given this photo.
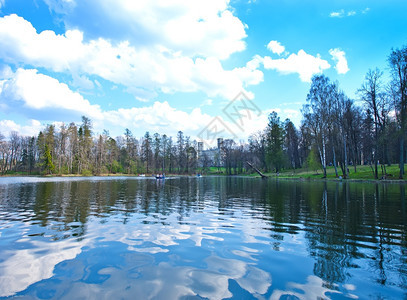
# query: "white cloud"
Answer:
x=201 y=27
x=29 y=92
x=159 y=117
x=2 y=3
x=82 y=82
x=5 y=73
x=20 y=42
x=27 y=89
x=31 y=129
x=341 y=63
x=342 y=13
x=337 y=14
x=153 y=68
x=366 y=10
x=292 y=114
x=304 y=64
x=276 y=47
x=207 y=102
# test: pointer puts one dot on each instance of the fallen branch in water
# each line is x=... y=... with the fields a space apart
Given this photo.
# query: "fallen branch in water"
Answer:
x=257 y=170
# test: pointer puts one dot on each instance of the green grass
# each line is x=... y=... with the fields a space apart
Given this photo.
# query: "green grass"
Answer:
x=215 y=171
x=362 y=173
x=20 y=173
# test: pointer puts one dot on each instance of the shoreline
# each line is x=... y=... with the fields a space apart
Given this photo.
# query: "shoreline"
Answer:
x=361 y=180
x=274 y=177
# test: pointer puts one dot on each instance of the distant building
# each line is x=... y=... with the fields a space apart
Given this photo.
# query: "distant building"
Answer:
x=220 y=143
x=200 y=149
x=212 y=157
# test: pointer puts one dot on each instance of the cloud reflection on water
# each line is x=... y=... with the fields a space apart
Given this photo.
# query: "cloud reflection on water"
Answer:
x=315 y=288
x=40 y=262
x=26 y=266
x=168 y=281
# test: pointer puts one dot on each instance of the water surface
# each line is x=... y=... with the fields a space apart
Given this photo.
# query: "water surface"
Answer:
x=201 y=238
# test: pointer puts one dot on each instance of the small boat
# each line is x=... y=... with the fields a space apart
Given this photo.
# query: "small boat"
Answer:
x=142 y=175
x=198 y=175
x=160 y=176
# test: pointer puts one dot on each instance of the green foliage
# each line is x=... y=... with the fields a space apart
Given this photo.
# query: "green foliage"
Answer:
x=48 y=164
x=86 y=172
x=64 y=170
x=275 y=156
x=313 y=162
x=116 y=167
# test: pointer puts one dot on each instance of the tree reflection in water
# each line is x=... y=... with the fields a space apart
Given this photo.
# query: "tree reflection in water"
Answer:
x=215 y=237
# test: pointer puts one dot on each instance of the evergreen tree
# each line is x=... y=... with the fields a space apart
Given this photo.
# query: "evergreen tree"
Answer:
x=275 y=141
x=146 y=151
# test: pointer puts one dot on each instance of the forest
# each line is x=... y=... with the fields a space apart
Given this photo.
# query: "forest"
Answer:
x=334 y=132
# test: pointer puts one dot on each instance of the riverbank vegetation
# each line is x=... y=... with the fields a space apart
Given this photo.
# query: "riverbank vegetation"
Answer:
x=337 y=138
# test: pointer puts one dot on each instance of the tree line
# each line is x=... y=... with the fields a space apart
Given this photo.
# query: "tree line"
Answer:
x=74 y=149
x=334 y=132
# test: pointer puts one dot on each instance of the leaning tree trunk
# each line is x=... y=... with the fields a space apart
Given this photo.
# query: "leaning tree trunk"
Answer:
x=257 y=170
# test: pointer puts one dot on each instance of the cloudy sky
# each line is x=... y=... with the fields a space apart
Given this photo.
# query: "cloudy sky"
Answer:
x=169 y=65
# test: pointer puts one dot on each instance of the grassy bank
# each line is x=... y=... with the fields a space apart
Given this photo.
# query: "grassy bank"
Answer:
x=361 y=173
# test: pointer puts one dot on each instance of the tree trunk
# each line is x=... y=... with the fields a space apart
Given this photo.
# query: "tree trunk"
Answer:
x=334 y=161
x=346 y=158
x=324 y=155
x=401 y=156
x=376 y=174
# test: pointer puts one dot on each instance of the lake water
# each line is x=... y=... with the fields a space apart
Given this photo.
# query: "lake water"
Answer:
x=201 y=238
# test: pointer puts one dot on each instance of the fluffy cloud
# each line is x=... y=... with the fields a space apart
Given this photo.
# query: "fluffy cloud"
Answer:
x=200 y=27
x=29 y=90
x=20 y=43
x=31 y=129
x=276 y=47
x=302 y=63
x=341 y=63
x=32 y=93
x=150 y=69
x=159 y=117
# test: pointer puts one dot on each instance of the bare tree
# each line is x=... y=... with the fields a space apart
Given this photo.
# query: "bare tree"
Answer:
x=317 y=114
x=371 y=93
x=398 y=66
x=3 y=154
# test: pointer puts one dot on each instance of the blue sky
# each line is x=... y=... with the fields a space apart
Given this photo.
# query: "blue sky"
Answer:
x=165 y=66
